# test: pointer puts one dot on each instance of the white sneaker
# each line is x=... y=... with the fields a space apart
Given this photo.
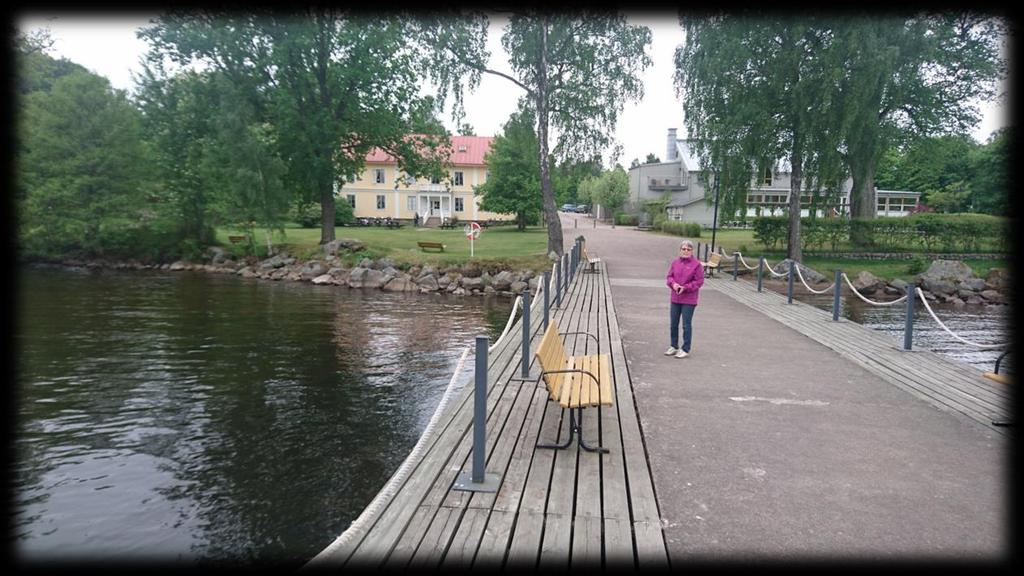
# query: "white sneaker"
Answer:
x=671 y=350
x=682 y=354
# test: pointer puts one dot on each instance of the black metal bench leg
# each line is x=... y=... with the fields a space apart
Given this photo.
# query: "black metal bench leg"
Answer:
x=579 y=429
x=572 y=431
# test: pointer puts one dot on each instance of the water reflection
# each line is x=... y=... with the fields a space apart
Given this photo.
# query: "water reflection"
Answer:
x=193 y=417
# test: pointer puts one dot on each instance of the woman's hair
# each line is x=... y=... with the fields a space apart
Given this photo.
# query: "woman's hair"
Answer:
x=687 y=243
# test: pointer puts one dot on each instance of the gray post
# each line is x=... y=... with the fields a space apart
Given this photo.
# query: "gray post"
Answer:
x=908 y=327
x=565 y=262
x=547 y=297
x=526 y=333
x=835 y=296
x=478 y=480
x=792 y=272
x=735 y=264
x=558 y=286
x=760 y=272
x=480 y=410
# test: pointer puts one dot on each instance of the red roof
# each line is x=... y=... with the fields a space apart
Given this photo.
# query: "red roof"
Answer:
x=466 y=151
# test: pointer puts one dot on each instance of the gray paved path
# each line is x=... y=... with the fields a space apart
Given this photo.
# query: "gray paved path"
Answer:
x=766 y=444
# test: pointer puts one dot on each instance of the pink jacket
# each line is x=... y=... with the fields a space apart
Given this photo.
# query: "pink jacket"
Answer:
x=690 y=274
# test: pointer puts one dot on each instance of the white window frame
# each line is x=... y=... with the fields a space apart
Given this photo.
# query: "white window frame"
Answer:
x=458 y=177
x=381 y=202
x=378 y=175
x=459 y=205
x=766 y=176
x=351 y=200
x=412 y=204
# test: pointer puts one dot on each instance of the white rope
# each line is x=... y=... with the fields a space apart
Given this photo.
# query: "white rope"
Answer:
x=744 y=262
x=773 y=272
x=391 y=488
x=948 y=331
x=850 y=284
x=511 y=316
x=800 y=275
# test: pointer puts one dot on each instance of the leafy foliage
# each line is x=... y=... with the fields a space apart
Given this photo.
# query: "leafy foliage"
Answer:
x=514 y=186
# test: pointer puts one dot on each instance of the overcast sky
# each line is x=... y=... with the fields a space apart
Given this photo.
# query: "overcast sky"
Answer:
x=106 y=44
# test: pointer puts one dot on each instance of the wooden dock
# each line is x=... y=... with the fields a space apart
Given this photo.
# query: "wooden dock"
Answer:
x=944 y=383
x=554 y=508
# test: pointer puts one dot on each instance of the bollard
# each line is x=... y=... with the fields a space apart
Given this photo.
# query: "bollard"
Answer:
x=558 y=287
x=735 y=264
x=575 y=222
x=792 y=272
x=835 y=296
x=760 y=272
x=908 y=326
x=478 y=480
x=565 y=261
x=526 y=333
x=547 y=297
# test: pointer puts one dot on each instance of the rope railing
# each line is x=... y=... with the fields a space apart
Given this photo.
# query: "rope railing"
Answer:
x=950 y=332
x=800 y=275
x=872 y=302
x=508 y=325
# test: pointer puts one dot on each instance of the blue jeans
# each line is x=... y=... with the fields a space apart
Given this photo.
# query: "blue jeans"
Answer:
x=686 y=311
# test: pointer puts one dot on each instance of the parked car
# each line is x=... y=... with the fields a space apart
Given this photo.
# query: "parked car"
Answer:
x=568 y=207
x=582 y=208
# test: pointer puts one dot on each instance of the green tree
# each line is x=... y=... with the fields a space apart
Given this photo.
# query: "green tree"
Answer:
x=652 y=159
x=906 y=77
x=465 y=129
x=566 y=177
x=577 y=71
x=611 y=190
x=513 y=186
x=786 y=62
x=990 y=180
x=81 y=167
x=333 y=83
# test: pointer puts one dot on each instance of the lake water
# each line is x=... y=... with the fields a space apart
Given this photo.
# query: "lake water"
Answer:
x=202 y=418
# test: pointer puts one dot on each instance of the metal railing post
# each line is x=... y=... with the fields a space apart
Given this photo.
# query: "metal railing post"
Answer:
x=835 y=296
x=735 y=264
x=547 y=297
x=908 y=326
x=792 y=272
x=558 y=286
x=526 y=333
x=477 y=480
x=760 y=272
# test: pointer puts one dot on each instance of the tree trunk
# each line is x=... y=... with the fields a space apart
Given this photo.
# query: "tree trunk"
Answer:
x=326 y=212
x=554 y=223
x=863 y=203
x=793 y=250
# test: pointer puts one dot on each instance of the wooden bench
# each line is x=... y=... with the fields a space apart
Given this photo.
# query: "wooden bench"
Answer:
x=591 y=262
x=236 y=239
x=575 y=382
x=713 y=263
x=431 y=246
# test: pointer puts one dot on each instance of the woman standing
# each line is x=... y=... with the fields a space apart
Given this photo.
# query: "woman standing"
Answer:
x=685 y=277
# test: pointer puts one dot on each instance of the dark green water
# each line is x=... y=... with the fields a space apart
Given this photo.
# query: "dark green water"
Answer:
x=188 y=417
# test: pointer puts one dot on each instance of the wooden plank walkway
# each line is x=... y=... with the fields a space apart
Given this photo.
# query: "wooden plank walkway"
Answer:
x=944 y=383
x=554 y=508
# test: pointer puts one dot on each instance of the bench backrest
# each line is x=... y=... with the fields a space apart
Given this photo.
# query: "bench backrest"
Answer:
x=714 y=259
x=551 y=356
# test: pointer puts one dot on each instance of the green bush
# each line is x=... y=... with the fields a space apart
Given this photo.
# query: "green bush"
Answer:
x=624 y=219
x=307 y=214
x=680 y=228
x=343 y=215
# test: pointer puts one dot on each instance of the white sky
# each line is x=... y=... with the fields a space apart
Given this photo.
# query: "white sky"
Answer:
x=106 y=44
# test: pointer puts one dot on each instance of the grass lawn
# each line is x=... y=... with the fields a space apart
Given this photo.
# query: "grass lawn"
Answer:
x=503 y=246
x=743 y=240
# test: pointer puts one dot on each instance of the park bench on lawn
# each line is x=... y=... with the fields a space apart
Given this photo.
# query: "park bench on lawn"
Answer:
x=575 y=382
x=425 y=246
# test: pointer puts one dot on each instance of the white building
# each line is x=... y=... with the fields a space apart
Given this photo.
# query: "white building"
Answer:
x=679 y=175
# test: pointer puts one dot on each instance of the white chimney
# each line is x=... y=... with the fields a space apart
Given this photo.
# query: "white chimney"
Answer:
x=670 y=150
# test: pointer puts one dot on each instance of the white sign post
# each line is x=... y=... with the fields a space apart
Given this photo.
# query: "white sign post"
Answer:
x=472 y=232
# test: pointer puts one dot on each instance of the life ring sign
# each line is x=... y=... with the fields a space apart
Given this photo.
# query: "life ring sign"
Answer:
x=472 y=233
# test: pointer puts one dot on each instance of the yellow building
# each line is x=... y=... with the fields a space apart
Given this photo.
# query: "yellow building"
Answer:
x=374 y=193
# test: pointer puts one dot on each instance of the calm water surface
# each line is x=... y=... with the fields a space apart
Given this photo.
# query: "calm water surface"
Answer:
x=186 y=417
